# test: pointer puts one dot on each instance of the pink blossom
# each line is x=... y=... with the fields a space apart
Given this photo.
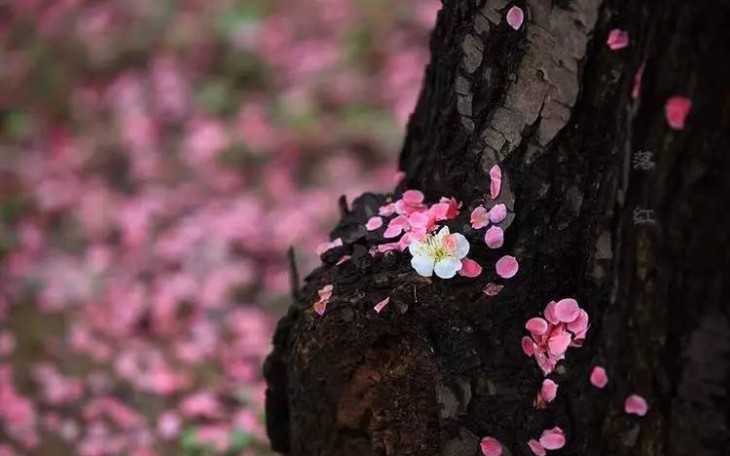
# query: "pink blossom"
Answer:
x=507 y=267
x=479 y=217
x=492 y=289
x=599 y=379
x=469 y=268
x=491 y=446
x=381 y=305
x=495 y=180
x=374 y=223
x=618 y=39
x=676 y=110
x=636 y=405
x=515 y=17
x=494 y=237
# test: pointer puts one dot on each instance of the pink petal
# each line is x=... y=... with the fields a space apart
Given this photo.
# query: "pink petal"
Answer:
x=379 y=306
x=546 y=364
x=419 y=220
x=579 y=326
x=567 y=310
x=440 y=211
x=453 y=207
x=386 y=210
x=550 y=313
x=320 y=306
x=325 y=292
x=469 y=268
x=559 y=343
x=374 y=223
x=636 y=90
x=537 y=326
x=494 y=237
x=536 y=448
x=491 y=447
x=498 y=213
x=528 y=346
x=515 y=17
x=507 y=266
x=413 y=197
x=552 y=439
x=492 y=289
x=618 y=39
x=676 y=110
x=599 y=379
x=392 y=231
x=495 y=178
x=549 y=390
x=479 y=217
x=636 y=405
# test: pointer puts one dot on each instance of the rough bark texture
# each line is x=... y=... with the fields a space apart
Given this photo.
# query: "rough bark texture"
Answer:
x=441 y=366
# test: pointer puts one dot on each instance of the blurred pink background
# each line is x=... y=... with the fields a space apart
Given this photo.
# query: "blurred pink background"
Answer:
x=157 y=159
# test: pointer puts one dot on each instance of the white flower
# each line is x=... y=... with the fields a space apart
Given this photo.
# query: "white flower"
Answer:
x=440 y=253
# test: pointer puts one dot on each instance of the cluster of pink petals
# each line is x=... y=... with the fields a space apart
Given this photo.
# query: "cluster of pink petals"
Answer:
x=565 y=325
x=325 y=293
x=482 y=217
x=490 y=446
x=411 y=219
x=636 y=405
x=551 y=439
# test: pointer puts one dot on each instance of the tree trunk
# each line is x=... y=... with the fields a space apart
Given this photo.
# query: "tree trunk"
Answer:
x=608 y=205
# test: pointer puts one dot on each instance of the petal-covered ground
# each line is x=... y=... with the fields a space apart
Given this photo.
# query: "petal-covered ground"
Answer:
x=158 y=159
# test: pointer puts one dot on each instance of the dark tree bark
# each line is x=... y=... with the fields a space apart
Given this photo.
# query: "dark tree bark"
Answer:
x=644 y=250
